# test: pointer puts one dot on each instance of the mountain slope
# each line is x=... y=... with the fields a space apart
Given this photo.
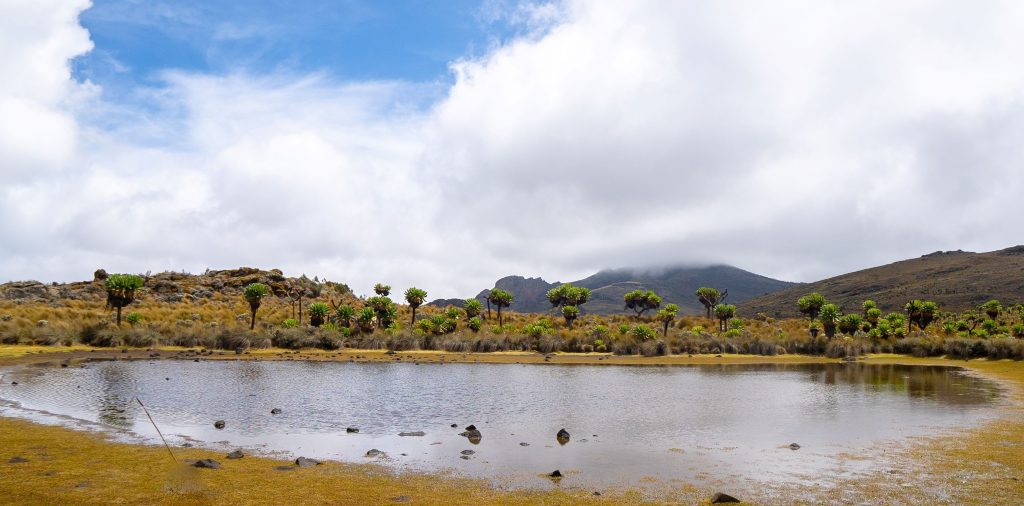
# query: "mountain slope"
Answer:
x=956 y=280
x=676 y=285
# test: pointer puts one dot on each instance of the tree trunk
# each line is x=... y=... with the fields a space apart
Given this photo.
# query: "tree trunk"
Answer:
x=500 y=324
x=413 y=316
x=488 y=308
x=300 y=310
x=118 y=316
x=252 y=324
x=664 y=332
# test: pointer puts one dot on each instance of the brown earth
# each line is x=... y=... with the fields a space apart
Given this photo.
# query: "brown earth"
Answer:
x=956 y=280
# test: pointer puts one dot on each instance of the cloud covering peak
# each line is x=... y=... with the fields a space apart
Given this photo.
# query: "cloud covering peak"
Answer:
x=797 y=140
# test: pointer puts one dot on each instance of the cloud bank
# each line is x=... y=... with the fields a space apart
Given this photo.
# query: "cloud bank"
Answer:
x=795 y=139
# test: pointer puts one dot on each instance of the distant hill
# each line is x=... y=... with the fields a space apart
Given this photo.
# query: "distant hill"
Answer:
x=956 y=280
x=676 y=285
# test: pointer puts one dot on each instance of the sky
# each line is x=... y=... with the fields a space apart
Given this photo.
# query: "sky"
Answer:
x=445 y=144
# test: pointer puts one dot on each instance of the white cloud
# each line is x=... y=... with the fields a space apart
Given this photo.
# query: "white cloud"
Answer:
x=795 y=139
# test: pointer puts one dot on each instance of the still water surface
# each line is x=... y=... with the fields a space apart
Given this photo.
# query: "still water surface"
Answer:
x=695 y=423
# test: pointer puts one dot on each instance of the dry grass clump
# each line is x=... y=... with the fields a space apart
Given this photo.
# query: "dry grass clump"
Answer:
x=222 y=323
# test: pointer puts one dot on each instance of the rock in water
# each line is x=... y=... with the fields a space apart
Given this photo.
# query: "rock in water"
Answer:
x=207 y=464
x=562 y=436
x=219 y=424
x=794 y=446
x=374 y=453
x=467 y=452
x=720 y=498
x=470 y=427
x=416 y=433
x=304 y=462
x=556 y=474
x=275 y=411
x=352 y=430
x=237 y=454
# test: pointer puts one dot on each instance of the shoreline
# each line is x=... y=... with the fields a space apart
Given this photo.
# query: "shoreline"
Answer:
x=990 y=453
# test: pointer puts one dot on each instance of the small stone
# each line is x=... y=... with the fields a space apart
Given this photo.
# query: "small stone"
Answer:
x=219 y=424
x=720 y=498
x=207 y=464
x=275 y=411
x=17 y=460
x=454 y=425
x=352 y=430
x=794 y=446
x=304 y=462
x=524 y=444
x=237 y=454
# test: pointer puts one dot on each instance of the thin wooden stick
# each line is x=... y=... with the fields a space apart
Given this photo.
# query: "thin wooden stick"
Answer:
x=157 y=429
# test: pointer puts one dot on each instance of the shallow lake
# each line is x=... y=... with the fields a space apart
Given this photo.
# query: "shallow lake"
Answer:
x=627 y=424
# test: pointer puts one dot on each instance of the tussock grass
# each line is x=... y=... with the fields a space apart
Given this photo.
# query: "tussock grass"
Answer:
x=222 y=323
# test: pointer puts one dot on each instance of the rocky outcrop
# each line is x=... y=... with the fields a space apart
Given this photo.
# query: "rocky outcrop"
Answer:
x=171 y=287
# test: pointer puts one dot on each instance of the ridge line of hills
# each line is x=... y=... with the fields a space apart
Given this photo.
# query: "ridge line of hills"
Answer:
x=956 y=280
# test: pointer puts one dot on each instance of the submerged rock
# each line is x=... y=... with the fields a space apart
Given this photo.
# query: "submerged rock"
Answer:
x=524 y=444
x=720 y=498
x=467 y=452
x=413 y=434
x=304 y=462
x=207 y=464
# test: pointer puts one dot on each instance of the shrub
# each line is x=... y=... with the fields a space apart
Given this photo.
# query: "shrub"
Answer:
x=132 y=318
x=642 y=332
x=140 y=339
x=474 y=323
x=318 y=313
x=290 y=323
x=1017 y=330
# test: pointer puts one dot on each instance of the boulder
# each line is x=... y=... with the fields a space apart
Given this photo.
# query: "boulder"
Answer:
x=304 y=462
x=720 y=498
x=562 y=436
x=237 y=454
x=207 y=464
x=374 y=453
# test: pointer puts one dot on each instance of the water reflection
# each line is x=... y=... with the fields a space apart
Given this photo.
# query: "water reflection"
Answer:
x=626 y=422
